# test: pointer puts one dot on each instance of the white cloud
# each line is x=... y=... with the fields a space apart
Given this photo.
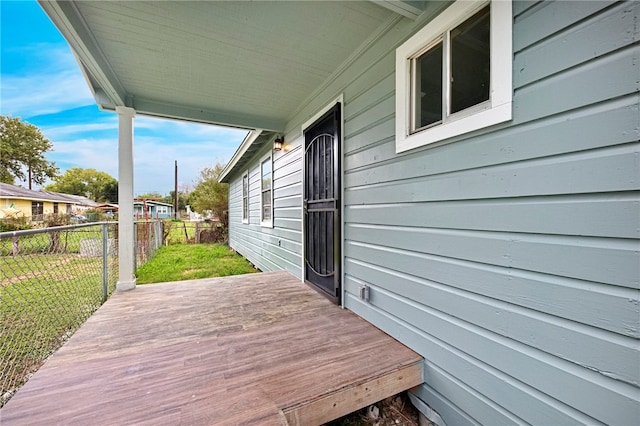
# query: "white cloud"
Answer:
x=154 y=162
x=154 y=155
x=99 y=154
x=51 y=82
x=66 y=131
x=54 y=83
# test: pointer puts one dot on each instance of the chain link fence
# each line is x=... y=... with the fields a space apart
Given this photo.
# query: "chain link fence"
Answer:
x=149 y=237
x=51 y=281
x=179 y=232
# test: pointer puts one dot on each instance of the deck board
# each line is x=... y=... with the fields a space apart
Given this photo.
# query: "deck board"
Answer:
x=250 y=349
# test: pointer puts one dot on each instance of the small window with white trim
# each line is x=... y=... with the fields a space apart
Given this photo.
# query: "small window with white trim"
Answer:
x=266 y=192
x=454 y=76
x=245 y=198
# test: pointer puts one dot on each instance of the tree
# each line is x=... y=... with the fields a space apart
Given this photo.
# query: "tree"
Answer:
x=209 y=194
x=23 y=147
x=90 y=183
x=110 y=192
x=183 y=199
x=151 y=196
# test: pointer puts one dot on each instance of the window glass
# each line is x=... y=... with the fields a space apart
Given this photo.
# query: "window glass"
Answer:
x=37 y=209
x=245 y=197
x=470 y=62
x=266 y=205
x=266 y=175
x=427 y=90
x=455 y=74
x=266 y=197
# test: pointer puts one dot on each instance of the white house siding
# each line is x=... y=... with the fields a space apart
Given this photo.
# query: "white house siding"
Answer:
x=508 y=258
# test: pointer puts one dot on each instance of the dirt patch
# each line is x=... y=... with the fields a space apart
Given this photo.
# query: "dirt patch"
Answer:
x=35 y=274
x=396 y=410
x=213 y=235
x=191 y=271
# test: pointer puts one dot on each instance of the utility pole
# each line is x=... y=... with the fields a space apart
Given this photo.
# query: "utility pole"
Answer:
x=175 y=194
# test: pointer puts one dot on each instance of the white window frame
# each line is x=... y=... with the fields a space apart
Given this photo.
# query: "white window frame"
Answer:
x=268 y=222
x=496 y=110
x=245 y=219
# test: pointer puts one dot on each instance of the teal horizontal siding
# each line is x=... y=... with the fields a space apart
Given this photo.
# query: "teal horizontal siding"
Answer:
x=592 y=37
x=611 y=353
x=564 y=133
x=609 y=261
x=597 y=215
x=604 y=170
x=278 y=247
x=579 y=387
x=600 y=305
x=551 y=18
x=507 y=257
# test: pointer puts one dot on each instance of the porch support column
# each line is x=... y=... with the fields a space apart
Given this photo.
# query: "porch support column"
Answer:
x=126 y=236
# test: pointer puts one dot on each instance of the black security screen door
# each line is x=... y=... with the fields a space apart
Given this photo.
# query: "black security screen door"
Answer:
x=322 y=204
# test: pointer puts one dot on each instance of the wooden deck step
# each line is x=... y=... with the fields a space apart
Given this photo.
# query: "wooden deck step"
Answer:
x=252 y=349
x=352 y=397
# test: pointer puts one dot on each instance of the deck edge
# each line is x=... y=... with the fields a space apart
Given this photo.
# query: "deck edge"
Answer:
x=353 y=396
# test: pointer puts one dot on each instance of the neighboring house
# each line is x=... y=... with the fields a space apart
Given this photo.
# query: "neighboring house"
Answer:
x=108 y=209
x=151 y=209
x=79 y=204
x=18 y=202
x=463 y=175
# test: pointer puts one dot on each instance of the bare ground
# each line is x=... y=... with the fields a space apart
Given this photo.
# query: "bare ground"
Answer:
x=396 y=410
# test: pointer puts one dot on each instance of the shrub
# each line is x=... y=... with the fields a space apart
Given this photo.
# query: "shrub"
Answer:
x=14 y=224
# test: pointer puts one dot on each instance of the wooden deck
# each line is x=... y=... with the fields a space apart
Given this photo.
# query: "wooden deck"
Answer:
x=251 y=349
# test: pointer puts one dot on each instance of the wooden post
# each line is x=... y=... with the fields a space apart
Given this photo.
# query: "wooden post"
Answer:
x=186 y=234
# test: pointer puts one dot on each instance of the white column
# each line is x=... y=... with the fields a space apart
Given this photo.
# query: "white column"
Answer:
x=126 y=236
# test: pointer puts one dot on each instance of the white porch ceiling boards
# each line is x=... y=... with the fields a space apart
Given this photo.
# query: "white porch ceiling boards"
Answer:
x=243 y=64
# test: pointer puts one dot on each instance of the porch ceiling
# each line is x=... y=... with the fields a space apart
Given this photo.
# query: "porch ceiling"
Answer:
x=242 y=64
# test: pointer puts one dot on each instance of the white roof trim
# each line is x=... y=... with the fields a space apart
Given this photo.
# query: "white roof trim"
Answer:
x=246 y=143
x=408 y=9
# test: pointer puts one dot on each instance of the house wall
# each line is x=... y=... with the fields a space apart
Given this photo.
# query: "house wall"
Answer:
x=279 y=247
x=156 y=215
x=138 y=210
x=25 y=207
x=507 y=258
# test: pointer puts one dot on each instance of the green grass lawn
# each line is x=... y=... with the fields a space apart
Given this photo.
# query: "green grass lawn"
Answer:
x=180 y=232
x=67 y=241
x=187 y=262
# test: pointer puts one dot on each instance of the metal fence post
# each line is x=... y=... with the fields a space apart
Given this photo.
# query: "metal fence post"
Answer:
x=105 y=262
x=159 y=233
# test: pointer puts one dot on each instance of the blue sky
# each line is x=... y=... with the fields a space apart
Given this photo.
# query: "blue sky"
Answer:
x=42 y=84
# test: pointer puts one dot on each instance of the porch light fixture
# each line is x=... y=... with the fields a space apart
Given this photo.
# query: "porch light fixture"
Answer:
x=278 y=144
